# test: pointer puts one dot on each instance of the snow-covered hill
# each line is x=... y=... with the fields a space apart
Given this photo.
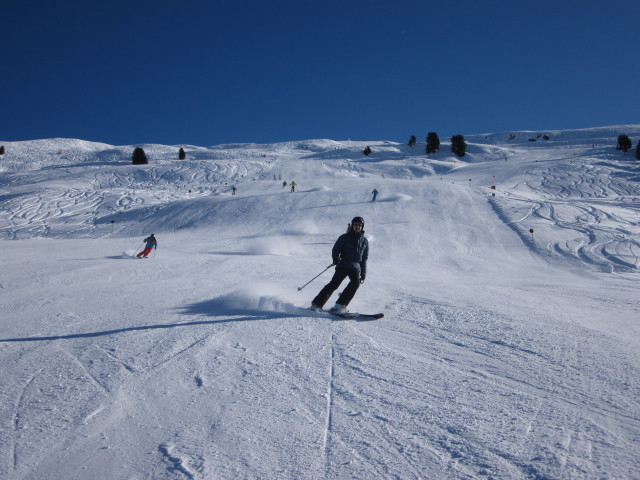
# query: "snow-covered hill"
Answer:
x=508 y=279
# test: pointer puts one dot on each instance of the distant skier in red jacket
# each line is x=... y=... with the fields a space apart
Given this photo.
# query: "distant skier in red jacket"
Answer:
x=151 y=244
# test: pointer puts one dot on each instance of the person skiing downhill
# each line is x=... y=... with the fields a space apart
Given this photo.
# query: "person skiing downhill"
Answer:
x=151 y=243
x=375 y=194
x=349 y=254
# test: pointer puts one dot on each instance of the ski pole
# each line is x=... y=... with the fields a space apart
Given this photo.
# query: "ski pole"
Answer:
x=138 y=248
x=300 y=288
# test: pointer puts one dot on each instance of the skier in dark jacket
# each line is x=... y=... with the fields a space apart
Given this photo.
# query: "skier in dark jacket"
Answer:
x=350 y=254
x=151 y=243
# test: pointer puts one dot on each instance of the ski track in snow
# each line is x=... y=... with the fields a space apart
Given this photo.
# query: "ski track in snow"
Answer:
x=327 y=439
x=503 y=353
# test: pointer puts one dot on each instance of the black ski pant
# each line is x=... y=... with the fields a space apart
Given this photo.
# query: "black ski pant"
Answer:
x=347 y=295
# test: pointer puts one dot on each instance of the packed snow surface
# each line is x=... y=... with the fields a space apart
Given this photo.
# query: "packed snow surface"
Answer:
x=508 y=279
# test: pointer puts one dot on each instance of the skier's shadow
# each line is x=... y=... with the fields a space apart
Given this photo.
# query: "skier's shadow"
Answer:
x=211 y=308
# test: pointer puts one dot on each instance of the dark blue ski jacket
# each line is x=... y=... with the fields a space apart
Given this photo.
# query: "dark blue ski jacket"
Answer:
x=351 y=250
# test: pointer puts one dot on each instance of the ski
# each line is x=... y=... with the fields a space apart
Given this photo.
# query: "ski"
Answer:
x=352 y=315
x=358 y=316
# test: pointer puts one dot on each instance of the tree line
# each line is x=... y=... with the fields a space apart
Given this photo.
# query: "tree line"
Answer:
x=458 y=144
x=138 y=157
x=458 y=147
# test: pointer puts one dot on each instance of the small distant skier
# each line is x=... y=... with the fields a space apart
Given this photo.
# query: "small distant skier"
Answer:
x=151 y=244
x=375 y=194
x=293 y=186
x=349 y=254
x=284 y=184
x=233 y=190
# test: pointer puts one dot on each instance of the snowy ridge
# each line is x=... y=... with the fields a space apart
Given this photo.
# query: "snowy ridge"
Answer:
x=503 y=354
x=584 y=191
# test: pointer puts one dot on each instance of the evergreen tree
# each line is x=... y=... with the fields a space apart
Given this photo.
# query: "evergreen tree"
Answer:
x=638 y=150
x=412 y=141
x=433 y=143
x=1 y=149
x=367 y=150
x=624 y=143
x=458 y=145
x=139 y=157
x=181 y=154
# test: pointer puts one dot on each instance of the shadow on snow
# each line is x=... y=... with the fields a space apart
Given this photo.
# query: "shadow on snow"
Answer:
x=211 y=308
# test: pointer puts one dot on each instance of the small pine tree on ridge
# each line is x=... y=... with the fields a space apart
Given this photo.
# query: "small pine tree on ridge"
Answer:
x=139 y=157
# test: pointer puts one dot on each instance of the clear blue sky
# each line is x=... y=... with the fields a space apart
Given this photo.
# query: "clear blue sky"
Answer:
x=210 y=72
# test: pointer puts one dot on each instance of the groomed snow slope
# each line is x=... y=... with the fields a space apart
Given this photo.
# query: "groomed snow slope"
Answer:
x=503 y=354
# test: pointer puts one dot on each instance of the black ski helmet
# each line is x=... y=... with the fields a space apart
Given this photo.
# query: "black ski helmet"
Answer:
x=356 y=220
